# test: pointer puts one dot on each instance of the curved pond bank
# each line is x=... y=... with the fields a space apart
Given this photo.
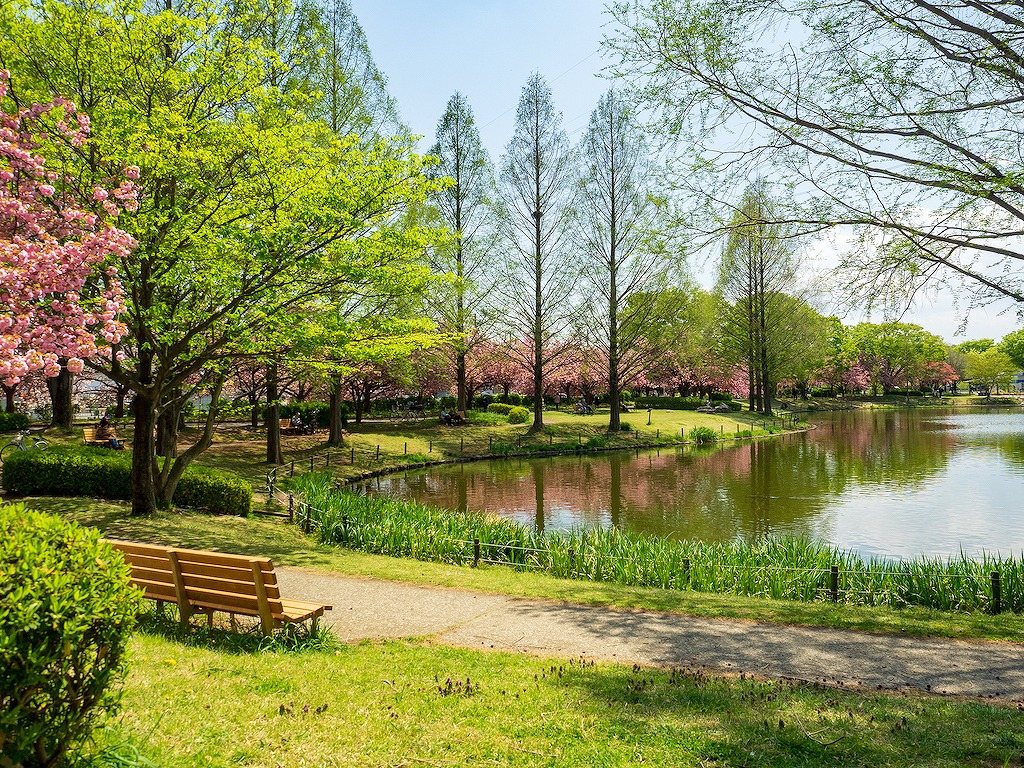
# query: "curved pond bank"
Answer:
x=890 y=483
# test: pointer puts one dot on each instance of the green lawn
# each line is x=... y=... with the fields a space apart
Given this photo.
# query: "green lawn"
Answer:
x=193 y=703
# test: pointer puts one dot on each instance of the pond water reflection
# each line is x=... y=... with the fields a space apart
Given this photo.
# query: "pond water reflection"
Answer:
x=893 y=483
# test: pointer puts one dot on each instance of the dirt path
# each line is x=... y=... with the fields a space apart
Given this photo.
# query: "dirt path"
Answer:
x=374 y=609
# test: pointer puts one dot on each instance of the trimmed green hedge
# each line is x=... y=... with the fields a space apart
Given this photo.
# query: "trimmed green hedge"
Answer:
x=502 y=408
x=11 y=422
x=105 y=474
x=67 y=611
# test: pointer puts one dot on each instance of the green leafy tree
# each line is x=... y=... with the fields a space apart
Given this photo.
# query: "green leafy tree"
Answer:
x=1012 y=344
x=756 y=270
x=249 y=210
x=976 y=345
x=990 y=370
x=900 y=119
x=895 y=354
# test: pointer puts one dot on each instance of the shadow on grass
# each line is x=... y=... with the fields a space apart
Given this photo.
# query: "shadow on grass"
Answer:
x=751 y=721
x=246 y=639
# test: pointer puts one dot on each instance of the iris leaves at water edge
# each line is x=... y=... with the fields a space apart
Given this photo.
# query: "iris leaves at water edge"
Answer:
x=772 y=567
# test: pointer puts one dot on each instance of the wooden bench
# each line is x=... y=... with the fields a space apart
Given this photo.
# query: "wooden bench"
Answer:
x=286 y=428
x=89 y=436
x=206 y=582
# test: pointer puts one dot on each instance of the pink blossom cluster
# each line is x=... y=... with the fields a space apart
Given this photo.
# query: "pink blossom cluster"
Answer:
x=59 y=298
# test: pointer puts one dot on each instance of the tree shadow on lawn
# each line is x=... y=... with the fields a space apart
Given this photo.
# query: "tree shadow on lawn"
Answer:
x=744 y=720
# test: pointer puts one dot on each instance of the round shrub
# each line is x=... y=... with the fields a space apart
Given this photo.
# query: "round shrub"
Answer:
x=502 y=408
x=518 y=415
x=67 y=611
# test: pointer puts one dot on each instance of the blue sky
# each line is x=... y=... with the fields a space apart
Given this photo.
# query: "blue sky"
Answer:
x=488 y=48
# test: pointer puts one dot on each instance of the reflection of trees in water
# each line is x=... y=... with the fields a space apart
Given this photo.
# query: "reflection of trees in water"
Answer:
x=751 y=488
x=898 y=448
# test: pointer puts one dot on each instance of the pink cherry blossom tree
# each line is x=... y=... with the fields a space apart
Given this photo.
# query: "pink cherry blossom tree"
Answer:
x=59 y=301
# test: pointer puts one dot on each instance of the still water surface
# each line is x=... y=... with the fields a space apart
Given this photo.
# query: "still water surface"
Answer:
x=889 y=483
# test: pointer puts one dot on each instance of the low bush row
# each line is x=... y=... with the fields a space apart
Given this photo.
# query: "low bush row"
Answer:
x=101 y=473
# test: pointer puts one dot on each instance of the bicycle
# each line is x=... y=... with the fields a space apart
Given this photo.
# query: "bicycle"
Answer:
x=21 y=443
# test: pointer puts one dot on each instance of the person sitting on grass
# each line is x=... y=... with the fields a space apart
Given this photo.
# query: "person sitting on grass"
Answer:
x=105 y=431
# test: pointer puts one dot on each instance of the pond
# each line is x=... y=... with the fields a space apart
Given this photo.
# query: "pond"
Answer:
x=887 y=483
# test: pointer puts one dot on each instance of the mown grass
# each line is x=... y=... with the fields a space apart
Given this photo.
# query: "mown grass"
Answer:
x=776 y=568
x=406 y=703
x=287 y=545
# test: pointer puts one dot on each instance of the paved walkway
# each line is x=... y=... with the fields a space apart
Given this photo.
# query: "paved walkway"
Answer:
x=374 y=609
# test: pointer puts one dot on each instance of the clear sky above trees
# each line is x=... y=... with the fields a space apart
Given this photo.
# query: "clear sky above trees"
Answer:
x=487 y=49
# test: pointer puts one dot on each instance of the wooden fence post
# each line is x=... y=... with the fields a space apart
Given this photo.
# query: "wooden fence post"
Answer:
x=572 y=561
x=997 y=593
x=686 y=571
x=476 y=552
x=833 y=587
x=291 y=508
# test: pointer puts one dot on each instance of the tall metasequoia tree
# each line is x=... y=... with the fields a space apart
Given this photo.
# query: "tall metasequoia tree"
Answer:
x=536 y=193
x=619 y=238
x=465 y=208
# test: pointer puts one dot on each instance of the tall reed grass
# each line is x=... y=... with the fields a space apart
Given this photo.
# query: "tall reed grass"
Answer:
x=771 y=567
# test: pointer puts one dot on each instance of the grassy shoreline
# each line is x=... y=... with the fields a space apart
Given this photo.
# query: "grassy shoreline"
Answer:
x=287 y=545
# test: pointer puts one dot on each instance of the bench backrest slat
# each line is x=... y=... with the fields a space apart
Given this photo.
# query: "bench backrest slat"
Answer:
x=203 y=578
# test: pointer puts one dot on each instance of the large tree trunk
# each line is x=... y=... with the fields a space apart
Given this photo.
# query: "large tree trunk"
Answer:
x=143 y=454
x=167 y=427
x=336 y=434
x=166 y=480
x=59 y=387
x=460 y=378
x=9 y=397
x=274 y=454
